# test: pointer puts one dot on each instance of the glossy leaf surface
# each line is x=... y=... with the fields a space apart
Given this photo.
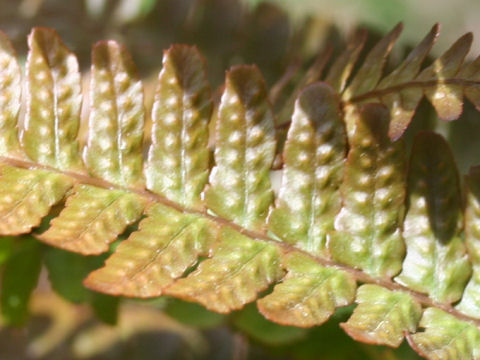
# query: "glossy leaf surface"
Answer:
x=26 y=196
x=214 y=231
x=436 y=261
x=178 y=159
x=165 y=246
x=53 y=102
x=446 y=338
x=382 y=316
x=116 y=117
x=314 y=156
x=308 y=295
x=92 y=219
x=367 y=228
x=239 y=187
x=239 y=269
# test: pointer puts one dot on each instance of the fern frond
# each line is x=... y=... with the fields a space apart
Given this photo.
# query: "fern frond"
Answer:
x=338 y=219
x=444 y=83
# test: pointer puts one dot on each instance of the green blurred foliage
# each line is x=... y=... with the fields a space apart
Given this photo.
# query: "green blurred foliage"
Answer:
x=19 y=278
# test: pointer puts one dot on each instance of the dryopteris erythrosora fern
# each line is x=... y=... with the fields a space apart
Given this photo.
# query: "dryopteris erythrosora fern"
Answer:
x=348 y=211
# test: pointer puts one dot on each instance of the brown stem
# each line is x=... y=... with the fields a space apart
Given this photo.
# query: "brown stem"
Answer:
x=379 y=93
x=286 y=248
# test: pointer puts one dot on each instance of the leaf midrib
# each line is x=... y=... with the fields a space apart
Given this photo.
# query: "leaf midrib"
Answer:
x=397 y=89
x=378 y=93
x=358 y=275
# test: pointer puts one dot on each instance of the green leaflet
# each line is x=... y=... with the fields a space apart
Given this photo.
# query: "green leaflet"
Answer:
x=10 y=96
x=239 y=269
x=54 y=99
x=382 y=316
x=370 y=73
x=313 y=168
x=470 y=303
x=309 y=294
x=92 y=219
x=239 y=187
x=166 y=244
x=178 y=159
x=26 y=196
x=117 y=115
x=446 y=337
x=436 y=261
x=367 y=228
x=19 y=278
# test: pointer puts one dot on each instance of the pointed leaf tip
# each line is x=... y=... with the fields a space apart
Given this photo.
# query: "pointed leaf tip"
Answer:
x=370 y=72
x=342 y=67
